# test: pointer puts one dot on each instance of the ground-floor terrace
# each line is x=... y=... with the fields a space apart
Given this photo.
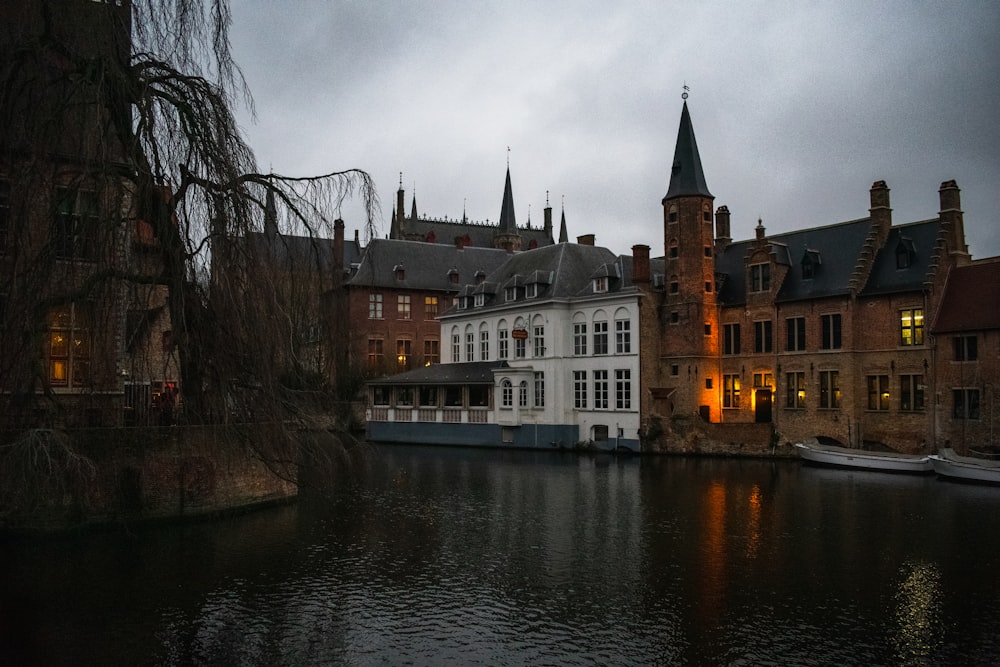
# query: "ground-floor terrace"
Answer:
x=484 y=404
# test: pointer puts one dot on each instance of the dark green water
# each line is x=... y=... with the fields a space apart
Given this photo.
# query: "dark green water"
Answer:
x=436 y=556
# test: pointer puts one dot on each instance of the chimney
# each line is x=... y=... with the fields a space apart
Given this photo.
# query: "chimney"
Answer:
x=338 y=251
x=400 y=217
x=760 y=229
x=640 y=263
x=952 y=220
x=880 y=212
x=722 y=237
x=548 y=221
x=586 y=239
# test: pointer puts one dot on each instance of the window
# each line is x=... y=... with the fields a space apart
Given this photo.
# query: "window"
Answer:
x=911 y=393
x=375 y=352
x=428 y=397
x=539 y=389
x=831 y=331
x=69 y=345
x=502 y=343
x=623 y=389
x=878 y=392
x=510 y=293
x=708 y=383
x=708 y=251
x=795 y=335
x=731 y=339
x=506 y=394
x=470 y=346
x=480 y=300
x=404 y=396
x=484 y=345
x=601 y=337
x=520 y=345
x=403 y=354
x=708 y=328
x=531 y=290
x=763 y=380
x=911 y=326
x=380 y=395
x=430 y=307
x=453 y=396
x=795 y=397
x=762 y=337
x=432 y=352
x=675 y=370
x=600 y=390
x=829 y=389
x=623 y=336
x=374 y=306
x=522 y=394
x=539 y=341
x=965 y=348
x=675 y=317
x=456 y=347
x=601 y=284
x=580 y=338
x=75 y=224
x=966 y=403
x=760 y=277
x=730 y=391
x=674 y=285
x=580 y=390
x=673 y=250
x=403 y=306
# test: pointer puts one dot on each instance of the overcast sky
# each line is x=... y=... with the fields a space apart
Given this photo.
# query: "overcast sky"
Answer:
x=798 y=107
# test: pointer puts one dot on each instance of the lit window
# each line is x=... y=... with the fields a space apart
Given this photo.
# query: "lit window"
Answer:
x=795 y=384
x=430 y=307
x=69 y=345
x=911 y=326
x=878 y=392
x=730 y=391
x=432 y=352
x=403 y=354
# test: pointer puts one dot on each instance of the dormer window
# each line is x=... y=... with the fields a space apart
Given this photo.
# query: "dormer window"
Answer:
x=480 y=277
x=510 y=293
x=760 y=277
x=905 y=253
x=600 y=284
x=810 y=264
x=531 y=290
x=453 y=276
x=400 y=272
x=480 y=300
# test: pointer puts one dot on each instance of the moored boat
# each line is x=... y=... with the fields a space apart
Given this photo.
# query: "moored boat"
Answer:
x=950 y=464
x=844 y=457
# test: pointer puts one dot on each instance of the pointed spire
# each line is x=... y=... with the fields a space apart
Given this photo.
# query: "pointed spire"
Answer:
x=563 y=235
x=686 y=175
x=413 y=208
x=270 y=215
x=508 y=224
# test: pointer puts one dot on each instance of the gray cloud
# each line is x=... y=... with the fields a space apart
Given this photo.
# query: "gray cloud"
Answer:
x=797 y=108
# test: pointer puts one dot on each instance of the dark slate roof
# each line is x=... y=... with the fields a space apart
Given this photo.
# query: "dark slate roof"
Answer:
x=919 y=240
x=472 y=372
x=834 y=252
x=570 y=267
x=304 y=252
x=444 y=232
x=686 y=175
x=971 y=300
x=425 y=265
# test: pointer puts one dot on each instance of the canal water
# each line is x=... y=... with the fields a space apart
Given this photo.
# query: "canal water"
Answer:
x=434 y=556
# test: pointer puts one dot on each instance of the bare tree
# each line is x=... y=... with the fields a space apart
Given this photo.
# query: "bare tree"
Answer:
x=131 y=195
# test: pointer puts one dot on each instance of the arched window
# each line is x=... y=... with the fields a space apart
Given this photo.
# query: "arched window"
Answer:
x=456 y=346
x=506 y=393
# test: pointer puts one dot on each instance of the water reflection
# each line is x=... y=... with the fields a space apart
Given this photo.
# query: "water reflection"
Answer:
x=432 y=556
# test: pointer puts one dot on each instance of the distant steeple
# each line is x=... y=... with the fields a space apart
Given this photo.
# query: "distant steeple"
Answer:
x=413 y=207
x=686 y=175
x=270 y=215
x=563 y=235
x=508 y=224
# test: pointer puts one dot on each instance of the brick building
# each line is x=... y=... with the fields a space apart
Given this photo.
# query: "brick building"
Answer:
x=819 y=332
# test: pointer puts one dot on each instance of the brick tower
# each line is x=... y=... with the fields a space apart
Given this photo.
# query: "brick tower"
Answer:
x=690 y=341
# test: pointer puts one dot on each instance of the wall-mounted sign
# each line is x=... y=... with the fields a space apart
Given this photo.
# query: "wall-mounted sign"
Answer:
x=519 y=334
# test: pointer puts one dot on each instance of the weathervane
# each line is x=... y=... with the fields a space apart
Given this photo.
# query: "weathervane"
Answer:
x=684 y=95
x=508 y=157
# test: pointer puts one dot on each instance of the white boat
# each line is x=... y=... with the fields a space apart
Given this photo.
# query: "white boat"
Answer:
x=949 y=464
x=843 y=457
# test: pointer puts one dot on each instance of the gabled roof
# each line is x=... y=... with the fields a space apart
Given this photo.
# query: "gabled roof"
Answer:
x=428 y=265
x=686 y=175
x=303 y=252
x=971 y=300
x=471 y=372
x=570 y=266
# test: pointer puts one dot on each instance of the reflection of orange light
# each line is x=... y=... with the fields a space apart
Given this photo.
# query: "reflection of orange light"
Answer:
x=712 y=586
x=753 y=522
